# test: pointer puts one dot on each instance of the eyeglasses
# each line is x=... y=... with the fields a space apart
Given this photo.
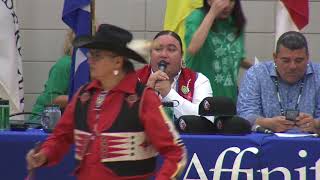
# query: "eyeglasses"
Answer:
x=98 y=55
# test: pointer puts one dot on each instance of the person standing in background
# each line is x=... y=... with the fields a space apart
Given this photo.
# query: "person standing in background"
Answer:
x=215 y=44
x=57 y=85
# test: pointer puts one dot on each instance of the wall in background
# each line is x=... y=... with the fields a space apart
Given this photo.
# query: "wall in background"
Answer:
x=43 y=31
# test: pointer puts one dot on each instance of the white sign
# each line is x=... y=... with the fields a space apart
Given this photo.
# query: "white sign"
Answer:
x=236 y=170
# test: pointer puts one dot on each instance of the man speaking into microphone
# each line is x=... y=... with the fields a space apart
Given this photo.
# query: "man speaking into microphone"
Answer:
x=174 y=83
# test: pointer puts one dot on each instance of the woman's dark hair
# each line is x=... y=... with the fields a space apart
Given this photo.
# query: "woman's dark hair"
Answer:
x=127 y=65
x=171 y=33
x=237 y=14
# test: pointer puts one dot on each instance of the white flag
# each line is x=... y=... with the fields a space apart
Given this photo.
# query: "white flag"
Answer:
x=11 y=79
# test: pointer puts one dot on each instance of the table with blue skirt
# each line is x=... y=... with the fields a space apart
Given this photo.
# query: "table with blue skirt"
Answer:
x=253 y=156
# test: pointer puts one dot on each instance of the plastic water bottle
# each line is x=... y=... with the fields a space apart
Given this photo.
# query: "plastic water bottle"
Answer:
x=51 y=115
x=4 y=114
x=169 y=110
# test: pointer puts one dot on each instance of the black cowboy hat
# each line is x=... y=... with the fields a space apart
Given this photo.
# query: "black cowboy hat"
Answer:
x=109 y=37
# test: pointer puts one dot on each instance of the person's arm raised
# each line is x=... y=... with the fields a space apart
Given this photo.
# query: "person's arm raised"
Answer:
x=201 y=34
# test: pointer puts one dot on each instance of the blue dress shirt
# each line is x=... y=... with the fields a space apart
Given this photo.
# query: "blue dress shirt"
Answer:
x=258 y=96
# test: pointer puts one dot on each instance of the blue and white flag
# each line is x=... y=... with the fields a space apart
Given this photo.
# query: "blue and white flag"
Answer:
x=11 y=75
x=76 y=14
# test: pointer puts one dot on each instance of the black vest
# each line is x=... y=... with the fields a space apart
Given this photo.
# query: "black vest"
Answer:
x=126 y=121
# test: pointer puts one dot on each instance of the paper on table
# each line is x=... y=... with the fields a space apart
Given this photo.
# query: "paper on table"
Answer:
x=256 y=60
x=295 y=135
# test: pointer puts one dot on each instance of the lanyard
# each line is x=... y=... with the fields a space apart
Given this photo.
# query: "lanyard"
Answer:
x=276 y=83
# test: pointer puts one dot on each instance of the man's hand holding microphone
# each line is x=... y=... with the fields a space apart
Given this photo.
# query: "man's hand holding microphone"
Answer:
x=160 y=80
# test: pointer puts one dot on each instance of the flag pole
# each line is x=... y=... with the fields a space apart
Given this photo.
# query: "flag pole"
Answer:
x=93 y=16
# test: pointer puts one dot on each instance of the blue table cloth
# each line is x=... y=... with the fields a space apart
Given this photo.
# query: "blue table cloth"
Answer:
x=252 y=156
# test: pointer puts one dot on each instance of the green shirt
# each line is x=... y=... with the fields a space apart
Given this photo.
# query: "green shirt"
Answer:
x=57 y=84
x=220 y=56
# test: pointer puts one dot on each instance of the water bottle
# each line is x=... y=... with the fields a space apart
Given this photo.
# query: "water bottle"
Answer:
x=51 y=115
x=4 y=114
x=169 y=110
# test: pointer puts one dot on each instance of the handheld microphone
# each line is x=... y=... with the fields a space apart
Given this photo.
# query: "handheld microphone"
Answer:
x=162 y=65
x=259 y=129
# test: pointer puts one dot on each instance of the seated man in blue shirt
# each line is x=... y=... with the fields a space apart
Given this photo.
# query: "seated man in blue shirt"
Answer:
x=283 y=95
